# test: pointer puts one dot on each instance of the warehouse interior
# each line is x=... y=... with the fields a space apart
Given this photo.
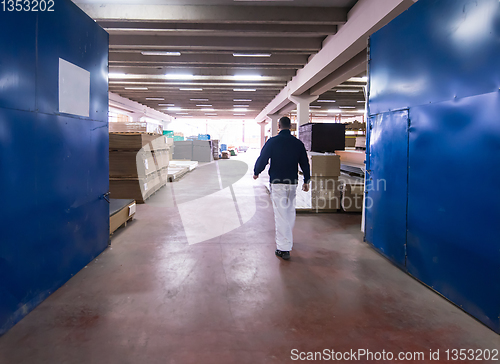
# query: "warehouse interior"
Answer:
x=133 y=231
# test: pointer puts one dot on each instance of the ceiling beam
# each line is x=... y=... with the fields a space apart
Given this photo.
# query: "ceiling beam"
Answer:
x=217 y=14
x=211 y=29
x=212 y=59
x=206 y=71
x=231 y=43
x=351 y=68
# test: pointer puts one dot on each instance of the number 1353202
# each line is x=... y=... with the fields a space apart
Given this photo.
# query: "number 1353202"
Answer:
x=27 y=5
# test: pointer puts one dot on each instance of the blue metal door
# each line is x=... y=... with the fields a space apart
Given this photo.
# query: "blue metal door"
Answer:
x=386 y=184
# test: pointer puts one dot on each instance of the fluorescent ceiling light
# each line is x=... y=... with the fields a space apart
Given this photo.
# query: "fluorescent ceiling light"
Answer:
x=242 y=100
x=117 y=75
x=347 y=107
x=358 y=79
x=361 y=102
x=198 y=99
x=174 y=76
x=240 y=109
x=174 y=108
x=244 y=89
x=241 y=105
x=239 y=114
x=155 y=99
x=207 y=109
x=251 y=54
x=136 y=88
x=326 y=101
x=160 y=53
x=315 y=107
x=348 y=91
x=210 y=114
x=166 y=104
x=181 y=113
x=190 y=89
x=204 y=105
x=320 y=115
x=247 y=77
x=335 y=111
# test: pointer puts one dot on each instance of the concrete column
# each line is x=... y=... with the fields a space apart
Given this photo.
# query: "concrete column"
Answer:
x=274 y=123
x=262 y=133
x=302 y=103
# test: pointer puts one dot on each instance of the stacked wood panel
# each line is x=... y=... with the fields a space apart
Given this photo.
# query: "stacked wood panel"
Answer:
x=138 y=165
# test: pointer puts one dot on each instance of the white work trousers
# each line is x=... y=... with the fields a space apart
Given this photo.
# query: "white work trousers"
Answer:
x=283 y=197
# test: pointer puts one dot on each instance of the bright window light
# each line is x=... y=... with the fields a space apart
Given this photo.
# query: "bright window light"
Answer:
x=160 y=53
x=251 y=54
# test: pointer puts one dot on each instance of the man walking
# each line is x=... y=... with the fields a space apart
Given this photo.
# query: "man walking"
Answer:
x=286 y=153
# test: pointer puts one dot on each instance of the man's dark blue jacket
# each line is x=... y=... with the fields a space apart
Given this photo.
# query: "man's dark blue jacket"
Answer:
x=286 y=153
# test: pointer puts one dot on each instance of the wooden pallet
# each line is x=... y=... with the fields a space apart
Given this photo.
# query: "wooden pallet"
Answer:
x=175 y=174
x=120 y=215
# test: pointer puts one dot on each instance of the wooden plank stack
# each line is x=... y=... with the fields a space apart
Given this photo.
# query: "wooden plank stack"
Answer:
x=138 y=165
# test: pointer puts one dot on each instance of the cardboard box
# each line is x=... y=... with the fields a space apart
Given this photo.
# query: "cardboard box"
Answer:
x=123 y=188
x=325 y=200
x=352 y=197
x=135 y=127
x=325 y=183
x=325 y=165
x=130 y=141
x=350 y=142
x=131 y=164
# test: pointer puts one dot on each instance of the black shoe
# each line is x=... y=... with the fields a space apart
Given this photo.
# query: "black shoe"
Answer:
x=282 y=254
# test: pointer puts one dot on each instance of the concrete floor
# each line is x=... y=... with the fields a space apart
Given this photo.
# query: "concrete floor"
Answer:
x=188 y=282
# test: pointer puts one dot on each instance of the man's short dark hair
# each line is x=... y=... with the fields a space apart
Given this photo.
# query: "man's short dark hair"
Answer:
x=285 y=123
